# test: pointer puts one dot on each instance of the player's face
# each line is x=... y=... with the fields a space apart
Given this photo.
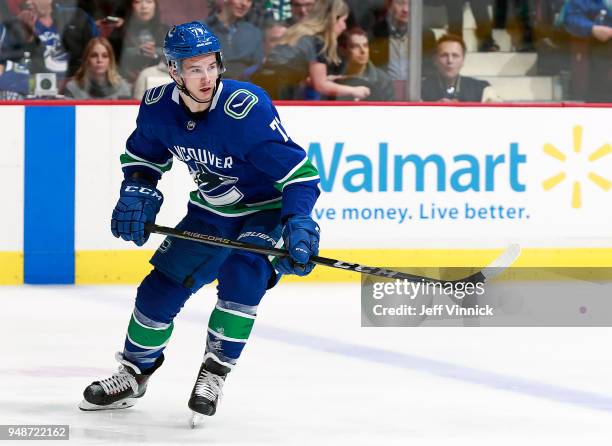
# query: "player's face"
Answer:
x=449 y=59
x=98 y=60
x=359 y=50
x=200 y=75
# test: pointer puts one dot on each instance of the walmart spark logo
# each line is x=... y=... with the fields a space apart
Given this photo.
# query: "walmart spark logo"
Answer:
x=598 y=180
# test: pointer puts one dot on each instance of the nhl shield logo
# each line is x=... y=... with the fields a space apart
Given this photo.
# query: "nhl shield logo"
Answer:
x=165 y=246
x=191 y=125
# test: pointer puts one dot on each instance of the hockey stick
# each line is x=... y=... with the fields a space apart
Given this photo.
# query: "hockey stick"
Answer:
x=502 y=262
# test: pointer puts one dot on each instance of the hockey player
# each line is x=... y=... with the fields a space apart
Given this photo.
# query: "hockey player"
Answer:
x=254 y=184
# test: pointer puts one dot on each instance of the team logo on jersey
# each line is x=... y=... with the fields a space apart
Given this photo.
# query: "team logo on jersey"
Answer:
x=208 y=181
x=191 y=125
x=240 y=103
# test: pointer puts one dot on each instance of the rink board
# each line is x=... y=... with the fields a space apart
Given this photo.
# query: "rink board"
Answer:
x=11 y=200
x=402 y=186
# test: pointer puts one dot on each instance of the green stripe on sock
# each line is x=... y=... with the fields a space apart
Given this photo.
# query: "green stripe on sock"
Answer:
x=148 y=337
x=230 y=325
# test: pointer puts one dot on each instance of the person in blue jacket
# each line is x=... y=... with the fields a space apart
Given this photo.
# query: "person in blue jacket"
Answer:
x=592 y=19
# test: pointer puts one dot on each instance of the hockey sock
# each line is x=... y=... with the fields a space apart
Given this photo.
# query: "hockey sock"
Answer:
x=243 y=279
x=145 y=340
x=229 y=328
x=158 y=301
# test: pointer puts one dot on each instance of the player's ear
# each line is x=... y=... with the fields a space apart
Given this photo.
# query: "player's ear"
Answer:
x=173 y=71
x=173 y=74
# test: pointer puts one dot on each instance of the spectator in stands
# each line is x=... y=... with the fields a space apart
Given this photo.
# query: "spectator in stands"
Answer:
x=242 y=41
x=484 y=24
x=592 y=19
x=138 y=44
x=447 y=85
x=55 y=36
x=20 y=39
x=98 y=78
x=300 y=10
x=308 y=50
x=273 y=32
x=359 y=70
x=21 y=52
x=390 y=42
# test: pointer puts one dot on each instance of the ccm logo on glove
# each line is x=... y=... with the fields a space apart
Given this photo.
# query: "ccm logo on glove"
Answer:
x=145 y=190
x=138 y=205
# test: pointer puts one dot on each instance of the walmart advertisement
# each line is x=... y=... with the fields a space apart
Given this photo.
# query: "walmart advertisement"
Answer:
x=400 y=185
x=460 y=177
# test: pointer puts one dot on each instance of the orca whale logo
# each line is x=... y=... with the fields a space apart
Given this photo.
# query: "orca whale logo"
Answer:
x=208 y=181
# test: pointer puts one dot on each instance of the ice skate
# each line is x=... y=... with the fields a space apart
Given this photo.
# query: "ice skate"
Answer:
x=207 y=390
x=121 y=390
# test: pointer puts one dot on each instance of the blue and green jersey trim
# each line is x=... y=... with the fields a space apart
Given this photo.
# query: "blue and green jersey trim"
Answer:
x=130 y=160
x=302 y=172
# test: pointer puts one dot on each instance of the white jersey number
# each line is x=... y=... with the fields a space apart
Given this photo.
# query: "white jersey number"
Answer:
x=276 y=125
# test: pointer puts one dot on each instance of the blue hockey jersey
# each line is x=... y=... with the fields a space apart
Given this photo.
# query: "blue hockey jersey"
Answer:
x=237 y=152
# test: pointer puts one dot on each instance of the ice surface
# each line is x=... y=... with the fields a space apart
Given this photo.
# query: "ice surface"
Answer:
x=310 y=375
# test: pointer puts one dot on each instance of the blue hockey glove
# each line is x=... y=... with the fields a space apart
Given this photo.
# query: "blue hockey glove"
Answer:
x=301 y=236
x=139 y=203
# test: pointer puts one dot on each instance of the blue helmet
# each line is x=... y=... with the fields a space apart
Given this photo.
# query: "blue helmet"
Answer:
x=190 y=40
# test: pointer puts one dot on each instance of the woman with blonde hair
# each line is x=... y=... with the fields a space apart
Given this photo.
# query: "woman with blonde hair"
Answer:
x=97 y=77
x=309 y=50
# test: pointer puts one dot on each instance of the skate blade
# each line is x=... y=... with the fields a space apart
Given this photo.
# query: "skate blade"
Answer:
x=124 y=404
x=196 y=419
